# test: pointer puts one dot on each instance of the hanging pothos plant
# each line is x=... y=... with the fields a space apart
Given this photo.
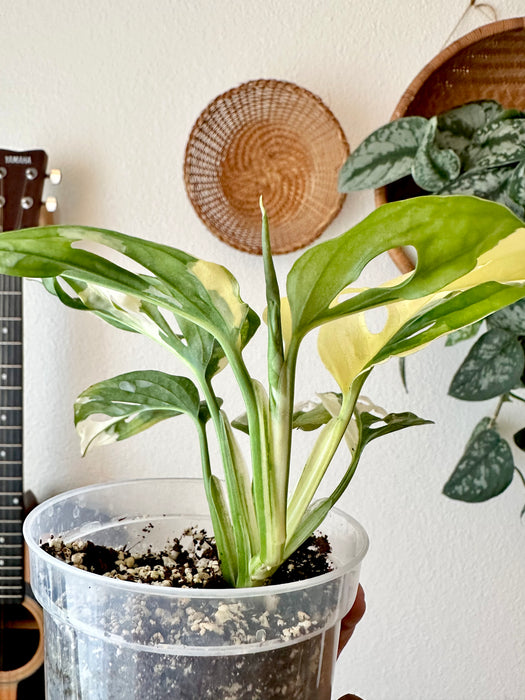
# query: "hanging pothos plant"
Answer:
x=477 y=148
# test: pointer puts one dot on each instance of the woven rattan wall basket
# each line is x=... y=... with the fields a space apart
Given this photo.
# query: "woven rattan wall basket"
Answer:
x=486 y=63
x=269 y=138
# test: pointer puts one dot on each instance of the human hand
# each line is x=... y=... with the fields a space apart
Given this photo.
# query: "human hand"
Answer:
x=349 y=622
x=348 y=625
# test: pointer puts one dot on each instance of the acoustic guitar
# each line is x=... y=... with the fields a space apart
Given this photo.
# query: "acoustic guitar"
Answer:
x=22 y=176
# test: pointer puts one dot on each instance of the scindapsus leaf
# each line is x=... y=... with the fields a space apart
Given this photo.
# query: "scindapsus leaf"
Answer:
x=463 y=334
x=434 y=167
x=499 y=143
x=511 y=318
x=516 y=184
x=493 y=366
x=457 y=126
x=485 y=469
x=383 y=157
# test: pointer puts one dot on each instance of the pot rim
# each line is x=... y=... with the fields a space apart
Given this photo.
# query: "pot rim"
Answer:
x=362 y=541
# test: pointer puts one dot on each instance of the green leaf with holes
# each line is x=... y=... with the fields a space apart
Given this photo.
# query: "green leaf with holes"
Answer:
x=485 y=469
x=493 y=366
x=383 y=157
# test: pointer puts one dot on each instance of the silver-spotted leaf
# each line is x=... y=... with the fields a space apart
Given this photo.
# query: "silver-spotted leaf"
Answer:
x=486 y=184
x=499 y=143
x=434 y=167
x=511 y=318
x=463 y=334
x=384 y=156
x=516 y=184
x=457 y=126
x=493 y=366
x=485 y=469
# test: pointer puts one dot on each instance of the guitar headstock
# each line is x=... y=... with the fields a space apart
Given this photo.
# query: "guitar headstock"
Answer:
x=22 y=177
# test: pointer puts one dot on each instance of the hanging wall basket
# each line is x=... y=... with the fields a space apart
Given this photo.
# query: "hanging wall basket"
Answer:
x=487 y=63
x=269 y=138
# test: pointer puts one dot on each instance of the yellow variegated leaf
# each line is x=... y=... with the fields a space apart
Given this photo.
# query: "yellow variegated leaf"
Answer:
x=223 y=289
x=347 y=346
x=503 y=263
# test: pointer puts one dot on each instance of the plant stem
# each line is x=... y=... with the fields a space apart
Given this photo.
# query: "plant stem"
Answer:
x=502 y=399
x=520 y=474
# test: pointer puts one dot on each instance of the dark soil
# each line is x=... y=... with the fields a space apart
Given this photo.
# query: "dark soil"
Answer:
x=191 y=561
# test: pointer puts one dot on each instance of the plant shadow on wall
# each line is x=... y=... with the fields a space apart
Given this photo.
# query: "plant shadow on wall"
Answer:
x=477 y=148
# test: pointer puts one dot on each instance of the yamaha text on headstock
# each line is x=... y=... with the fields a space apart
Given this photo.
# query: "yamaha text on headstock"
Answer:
x=22 y=176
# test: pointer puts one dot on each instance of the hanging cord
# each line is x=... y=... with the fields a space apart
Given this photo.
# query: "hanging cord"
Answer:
x=487 y=10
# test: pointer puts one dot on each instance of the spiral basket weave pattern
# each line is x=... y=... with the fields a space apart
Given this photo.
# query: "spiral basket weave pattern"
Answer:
x=487 y=63
x=269 y=138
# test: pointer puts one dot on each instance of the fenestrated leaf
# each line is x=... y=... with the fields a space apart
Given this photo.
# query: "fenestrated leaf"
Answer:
x=448 y=315
x=499 y=143
x=444 y=252
x=434 y=167
x=201 y=292
x=462 y=334
x=493 y=366
x=384 y=156
x=485 y=469
x=511 y=318
x=516 y=184
x=457 y=126
x=125 y=405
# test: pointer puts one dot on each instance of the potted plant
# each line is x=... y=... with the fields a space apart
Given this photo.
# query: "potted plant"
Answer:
x=476 y=148
x=193 y=308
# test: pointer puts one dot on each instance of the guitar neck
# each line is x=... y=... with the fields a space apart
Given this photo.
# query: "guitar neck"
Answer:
x=22 y=176
x=11 y=407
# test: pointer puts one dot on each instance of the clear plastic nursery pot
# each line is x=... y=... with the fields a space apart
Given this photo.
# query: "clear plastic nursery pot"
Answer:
x=107 y=639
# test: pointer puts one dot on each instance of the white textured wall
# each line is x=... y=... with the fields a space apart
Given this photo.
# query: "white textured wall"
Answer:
x=110 y=90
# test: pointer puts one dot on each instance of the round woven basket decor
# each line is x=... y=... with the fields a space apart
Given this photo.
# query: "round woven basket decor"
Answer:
x=269 y=138
x=487 y=63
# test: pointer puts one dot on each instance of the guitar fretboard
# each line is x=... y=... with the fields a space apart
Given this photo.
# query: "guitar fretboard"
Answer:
x=11 y=406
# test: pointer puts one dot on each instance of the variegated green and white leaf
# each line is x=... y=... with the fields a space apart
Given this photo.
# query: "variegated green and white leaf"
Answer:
x=493 y=366
x=434 y=167
x=485 y=469
x=383 y=157
x=203 y=293
x=125 y=405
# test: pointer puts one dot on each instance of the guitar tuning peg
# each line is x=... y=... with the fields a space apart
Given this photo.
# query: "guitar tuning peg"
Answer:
x=51 y=204
x=55 y=176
